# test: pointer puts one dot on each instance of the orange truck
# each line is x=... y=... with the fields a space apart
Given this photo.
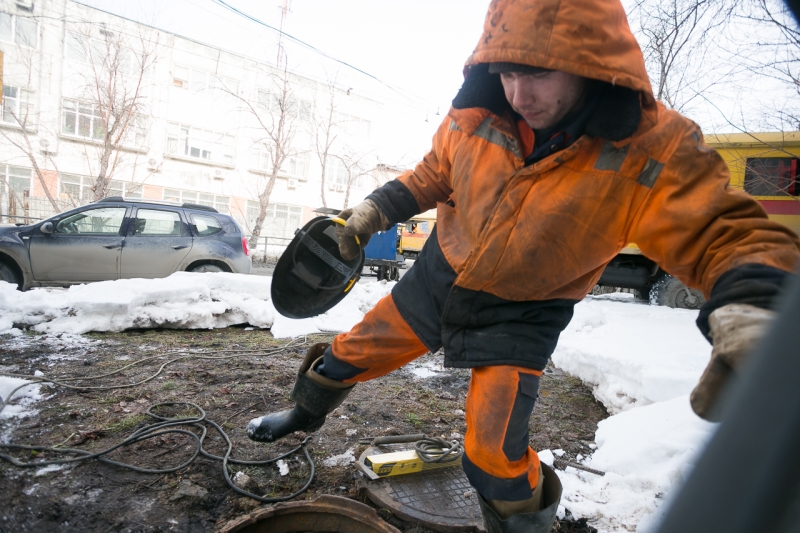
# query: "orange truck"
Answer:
x=414 y=233
x=764 y=165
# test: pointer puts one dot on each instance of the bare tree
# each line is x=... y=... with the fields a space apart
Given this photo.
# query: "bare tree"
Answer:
x=111 y=106
x=772 y=50
x=675 y=37
x=325 y=134
x=274 y=114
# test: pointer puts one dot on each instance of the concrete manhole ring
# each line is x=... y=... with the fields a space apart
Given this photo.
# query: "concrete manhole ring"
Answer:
x=327 y=514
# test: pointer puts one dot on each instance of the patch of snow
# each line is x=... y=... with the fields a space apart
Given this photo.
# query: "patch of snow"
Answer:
x=283 y=467
x=48 y=469
x=344 y=459
x=17 y=405
x=426 y=369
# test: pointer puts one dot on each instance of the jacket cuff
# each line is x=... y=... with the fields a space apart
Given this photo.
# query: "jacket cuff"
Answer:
x=752 y=284
x=396 y=202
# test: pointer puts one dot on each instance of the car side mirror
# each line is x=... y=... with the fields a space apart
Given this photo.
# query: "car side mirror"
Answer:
x=46 y=228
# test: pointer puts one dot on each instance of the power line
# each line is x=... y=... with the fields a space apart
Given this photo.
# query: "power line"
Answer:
x=426 y=107
x=315 y=49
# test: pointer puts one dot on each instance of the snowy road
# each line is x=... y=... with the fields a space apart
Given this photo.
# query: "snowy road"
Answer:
x=642 y=362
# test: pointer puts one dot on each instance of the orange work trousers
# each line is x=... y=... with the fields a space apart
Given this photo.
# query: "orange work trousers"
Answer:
x=498 y=461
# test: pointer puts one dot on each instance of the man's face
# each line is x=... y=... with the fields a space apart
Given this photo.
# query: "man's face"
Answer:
x=543 y=98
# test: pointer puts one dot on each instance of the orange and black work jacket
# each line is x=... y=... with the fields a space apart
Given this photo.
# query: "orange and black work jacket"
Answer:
x=516 y=244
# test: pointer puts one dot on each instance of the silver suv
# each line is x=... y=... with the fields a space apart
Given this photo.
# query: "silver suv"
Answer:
x=117 y=238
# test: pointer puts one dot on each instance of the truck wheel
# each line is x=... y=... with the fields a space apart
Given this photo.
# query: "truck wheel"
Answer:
x=671 y=292
x=381 y=273
x=8 y=275
x=394 y=274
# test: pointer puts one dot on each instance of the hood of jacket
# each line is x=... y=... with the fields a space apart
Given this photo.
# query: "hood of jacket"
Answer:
x=589 y=38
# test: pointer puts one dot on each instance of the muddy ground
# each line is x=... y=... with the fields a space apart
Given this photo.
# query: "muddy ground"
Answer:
x=230 y=376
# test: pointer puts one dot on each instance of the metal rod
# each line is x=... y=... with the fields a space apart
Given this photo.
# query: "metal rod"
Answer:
x=562 y=464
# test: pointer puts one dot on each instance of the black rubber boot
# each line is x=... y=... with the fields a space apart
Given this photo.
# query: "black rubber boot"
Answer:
x=538 y=522
x=316 y=396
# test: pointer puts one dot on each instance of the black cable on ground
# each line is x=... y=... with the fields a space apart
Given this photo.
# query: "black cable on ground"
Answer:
x=438 y=450
x=162 y=427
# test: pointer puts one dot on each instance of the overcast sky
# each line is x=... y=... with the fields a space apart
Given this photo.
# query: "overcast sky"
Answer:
x=416 y=48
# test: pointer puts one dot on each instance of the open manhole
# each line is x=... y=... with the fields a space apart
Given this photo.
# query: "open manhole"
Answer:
x=326 y=514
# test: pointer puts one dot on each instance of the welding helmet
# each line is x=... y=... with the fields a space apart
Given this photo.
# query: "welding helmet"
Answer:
x=311 y=276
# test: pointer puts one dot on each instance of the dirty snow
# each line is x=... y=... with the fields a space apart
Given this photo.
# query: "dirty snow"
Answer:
x=183 y=300
x=283 y=467
x=347 y=458
x=642 y=362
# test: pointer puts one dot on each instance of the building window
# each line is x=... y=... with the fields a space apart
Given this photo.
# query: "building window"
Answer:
x=220 y=203
x=295 y=164
x=18 y=30
x=200 y=144
x=179 y=196
x=296 y=108
x=17 y=106
x=262 y=157
x=83 y=49
x=202 y=82
x=338 y=176
x=771 y=176
x=78 y=189
x=82 y=119
x=280 y=221
x=17 y=181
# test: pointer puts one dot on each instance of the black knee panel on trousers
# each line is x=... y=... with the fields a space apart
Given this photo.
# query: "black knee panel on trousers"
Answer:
x=515 y=443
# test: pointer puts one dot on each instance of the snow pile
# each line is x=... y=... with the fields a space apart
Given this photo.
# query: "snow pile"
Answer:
x=183 y=300
x=643 y=361
x=634 y=354
x=646 y=453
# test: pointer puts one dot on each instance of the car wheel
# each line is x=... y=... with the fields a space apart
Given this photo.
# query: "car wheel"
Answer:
x=206 y=268
x=8 y=275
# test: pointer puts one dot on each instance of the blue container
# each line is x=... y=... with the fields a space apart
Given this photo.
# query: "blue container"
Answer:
x=383 y=245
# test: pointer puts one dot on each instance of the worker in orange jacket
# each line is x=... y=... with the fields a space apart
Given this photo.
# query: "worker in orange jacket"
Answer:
x=553 y=157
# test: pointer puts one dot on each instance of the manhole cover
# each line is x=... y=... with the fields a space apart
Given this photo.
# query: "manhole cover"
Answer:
x=326 y=514
x=442 y=500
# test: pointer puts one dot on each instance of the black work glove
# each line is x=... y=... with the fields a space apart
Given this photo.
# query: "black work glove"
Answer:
x=363 y=221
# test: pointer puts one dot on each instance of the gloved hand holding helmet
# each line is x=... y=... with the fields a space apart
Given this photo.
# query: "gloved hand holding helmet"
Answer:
x=736 y=330
x=363 y=221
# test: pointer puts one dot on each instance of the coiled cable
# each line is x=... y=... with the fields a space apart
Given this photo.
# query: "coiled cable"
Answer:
x=438 y=450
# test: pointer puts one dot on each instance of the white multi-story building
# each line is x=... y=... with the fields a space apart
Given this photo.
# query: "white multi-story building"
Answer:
x=191 y=123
